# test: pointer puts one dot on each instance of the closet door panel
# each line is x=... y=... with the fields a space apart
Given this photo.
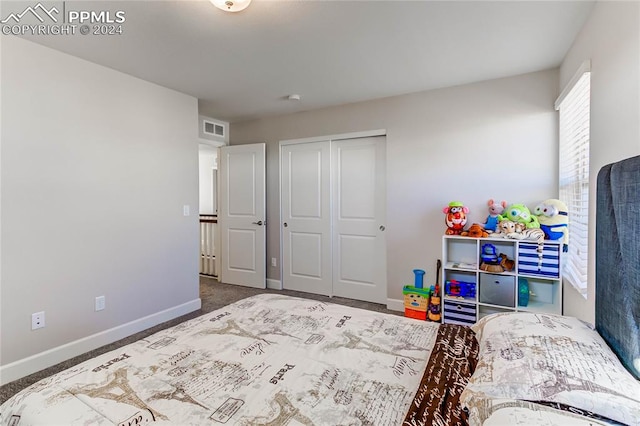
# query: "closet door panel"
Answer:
x=306 y=217
x=359 y=205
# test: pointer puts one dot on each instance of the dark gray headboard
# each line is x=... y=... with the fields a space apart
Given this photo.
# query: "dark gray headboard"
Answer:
x=618 y=260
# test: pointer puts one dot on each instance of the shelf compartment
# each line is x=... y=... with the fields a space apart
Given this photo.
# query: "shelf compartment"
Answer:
x=461 y=251
x=533 y=263
x=497 y=289
x=505 y=246
x=459 y=312
x=459 y=275
x=544 y=296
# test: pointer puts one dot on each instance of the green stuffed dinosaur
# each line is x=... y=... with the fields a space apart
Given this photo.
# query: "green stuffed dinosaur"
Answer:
x=520 y=213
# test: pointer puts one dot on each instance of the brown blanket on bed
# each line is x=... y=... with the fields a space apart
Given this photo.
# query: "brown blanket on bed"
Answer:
x=452 y=362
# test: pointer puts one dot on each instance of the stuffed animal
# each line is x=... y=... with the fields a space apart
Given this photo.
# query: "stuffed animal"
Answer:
x=505 y=227
x=506 y=263
x=495 y=210
x=553 y=216
x=476 y=231
x=456 y=217
x=520 y=213
x=527 y=234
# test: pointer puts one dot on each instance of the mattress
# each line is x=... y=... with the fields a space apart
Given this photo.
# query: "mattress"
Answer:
x=269 y=359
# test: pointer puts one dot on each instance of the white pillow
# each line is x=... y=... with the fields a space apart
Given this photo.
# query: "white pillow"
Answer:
x=500 y=412
x=542 y=357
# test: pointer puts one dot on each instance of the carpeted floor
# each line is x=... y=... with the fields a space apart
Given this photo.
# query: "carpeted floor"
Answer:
x=214 y=295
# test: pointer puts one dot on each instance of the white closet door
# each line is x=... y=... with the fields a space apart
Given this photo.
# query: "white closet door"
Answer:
x=306 y=217
x=242 y=215
x=359 y=214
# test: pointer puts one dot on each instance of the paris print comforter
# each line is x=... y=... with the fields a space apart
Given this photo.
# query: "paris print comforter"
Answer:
x=268 y=359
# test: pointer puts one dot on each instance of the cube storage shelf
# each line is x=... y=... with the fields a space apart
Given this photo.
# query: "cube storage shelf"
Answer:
x=498 y=291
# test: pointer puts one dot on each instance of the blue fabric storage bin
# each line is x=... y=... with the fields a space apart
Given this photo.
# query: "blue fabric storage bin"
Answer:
x=529 y=260
x=459 y=313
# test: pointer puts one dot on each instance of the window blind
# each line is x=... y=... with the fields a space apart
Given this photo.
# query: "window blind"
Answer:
x=574 y=109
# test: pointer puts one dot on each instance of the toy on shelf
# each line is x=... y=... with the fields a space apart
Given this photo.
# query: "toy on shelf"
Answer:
x=476 y=231
x=553 y=216
x=528 y=234
x=505 y=227
x=495 y=210
x=416 y=298
x=489 y=259
x=418 y=280
x=434 y=313
x=457 y=288
x=519 y=231
x=520 y=213
x=416 y=302
x=523 y=292
x=456 y=217
x=506 y=263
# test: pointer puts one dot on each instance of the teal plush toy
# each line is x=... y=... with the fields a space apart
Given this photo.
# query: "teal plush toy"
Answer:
x=520 y=213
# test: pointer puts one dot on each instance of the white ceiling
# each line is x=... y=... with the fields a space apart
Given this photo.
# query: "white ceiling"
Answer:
x=242 y=66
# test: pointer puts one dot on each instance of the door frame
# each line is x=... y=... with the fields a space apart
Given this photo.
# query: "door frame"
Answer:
x=330 y=138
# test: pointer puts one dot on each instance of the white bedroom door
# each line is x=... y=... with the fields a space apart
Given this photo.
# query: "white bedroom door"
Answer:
x=359 y=217
x=306 y=221
x=241 y=215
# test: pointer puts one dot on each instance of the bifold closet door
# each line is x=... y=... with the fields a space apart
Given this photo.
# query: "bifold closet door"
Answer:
x=306 y=217
x=359 y=210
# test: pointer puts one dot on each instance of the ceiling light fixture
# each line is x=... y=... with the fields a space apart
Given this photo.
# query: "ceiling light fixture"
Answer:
x=231 y=5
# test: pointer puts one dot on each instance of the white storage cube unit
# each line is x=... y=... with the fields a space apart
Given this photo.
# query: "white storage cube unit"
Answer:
x=500 y=291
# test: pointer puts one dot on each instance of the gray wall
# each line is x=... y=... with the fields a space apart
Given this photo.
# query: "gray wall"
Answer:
x=96 y=168
x=611 y=39
x=495 y=139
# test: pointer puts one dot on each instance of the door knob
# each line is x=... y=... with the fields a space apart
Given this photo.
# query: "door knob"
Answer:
x=259 y=223
x=285 y=224
x=382 y=228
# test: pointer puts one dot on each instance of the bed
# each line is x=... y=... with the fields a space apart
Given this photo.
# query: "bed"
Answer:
x=276 y=360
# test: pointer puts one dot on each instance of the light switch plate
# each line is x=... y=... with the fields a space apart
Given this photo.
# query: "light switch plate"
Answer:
x=100 y=303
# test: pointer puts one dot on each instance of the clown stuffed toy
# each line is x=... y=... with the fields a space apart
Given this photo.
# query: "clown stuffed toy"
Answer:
x=456 y=217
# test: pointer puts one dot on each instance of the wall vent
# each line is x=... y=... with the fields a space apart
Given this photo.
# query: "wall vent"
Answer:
x=214 y=130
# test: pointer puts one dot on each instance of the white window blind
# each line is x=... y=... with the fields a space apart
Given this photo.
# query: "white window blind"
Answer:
x=574 y=107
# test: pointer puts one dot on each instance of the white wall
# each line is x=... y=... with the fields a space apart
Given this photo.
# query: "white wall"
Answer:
x=207 y=163
x=96 y=168
x=496 y=139
x=611 y=39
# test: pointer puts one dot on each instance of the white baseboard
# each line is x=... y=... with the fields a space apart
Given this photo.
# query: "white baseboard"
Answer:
x=37 y=362
x=395 y=305
x=274 y=284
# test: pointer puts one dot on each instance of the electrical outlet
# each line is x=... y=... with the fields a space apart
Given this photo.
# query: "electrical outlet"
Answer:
x=37 y=320
x=100 y=303
x=274 y=262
